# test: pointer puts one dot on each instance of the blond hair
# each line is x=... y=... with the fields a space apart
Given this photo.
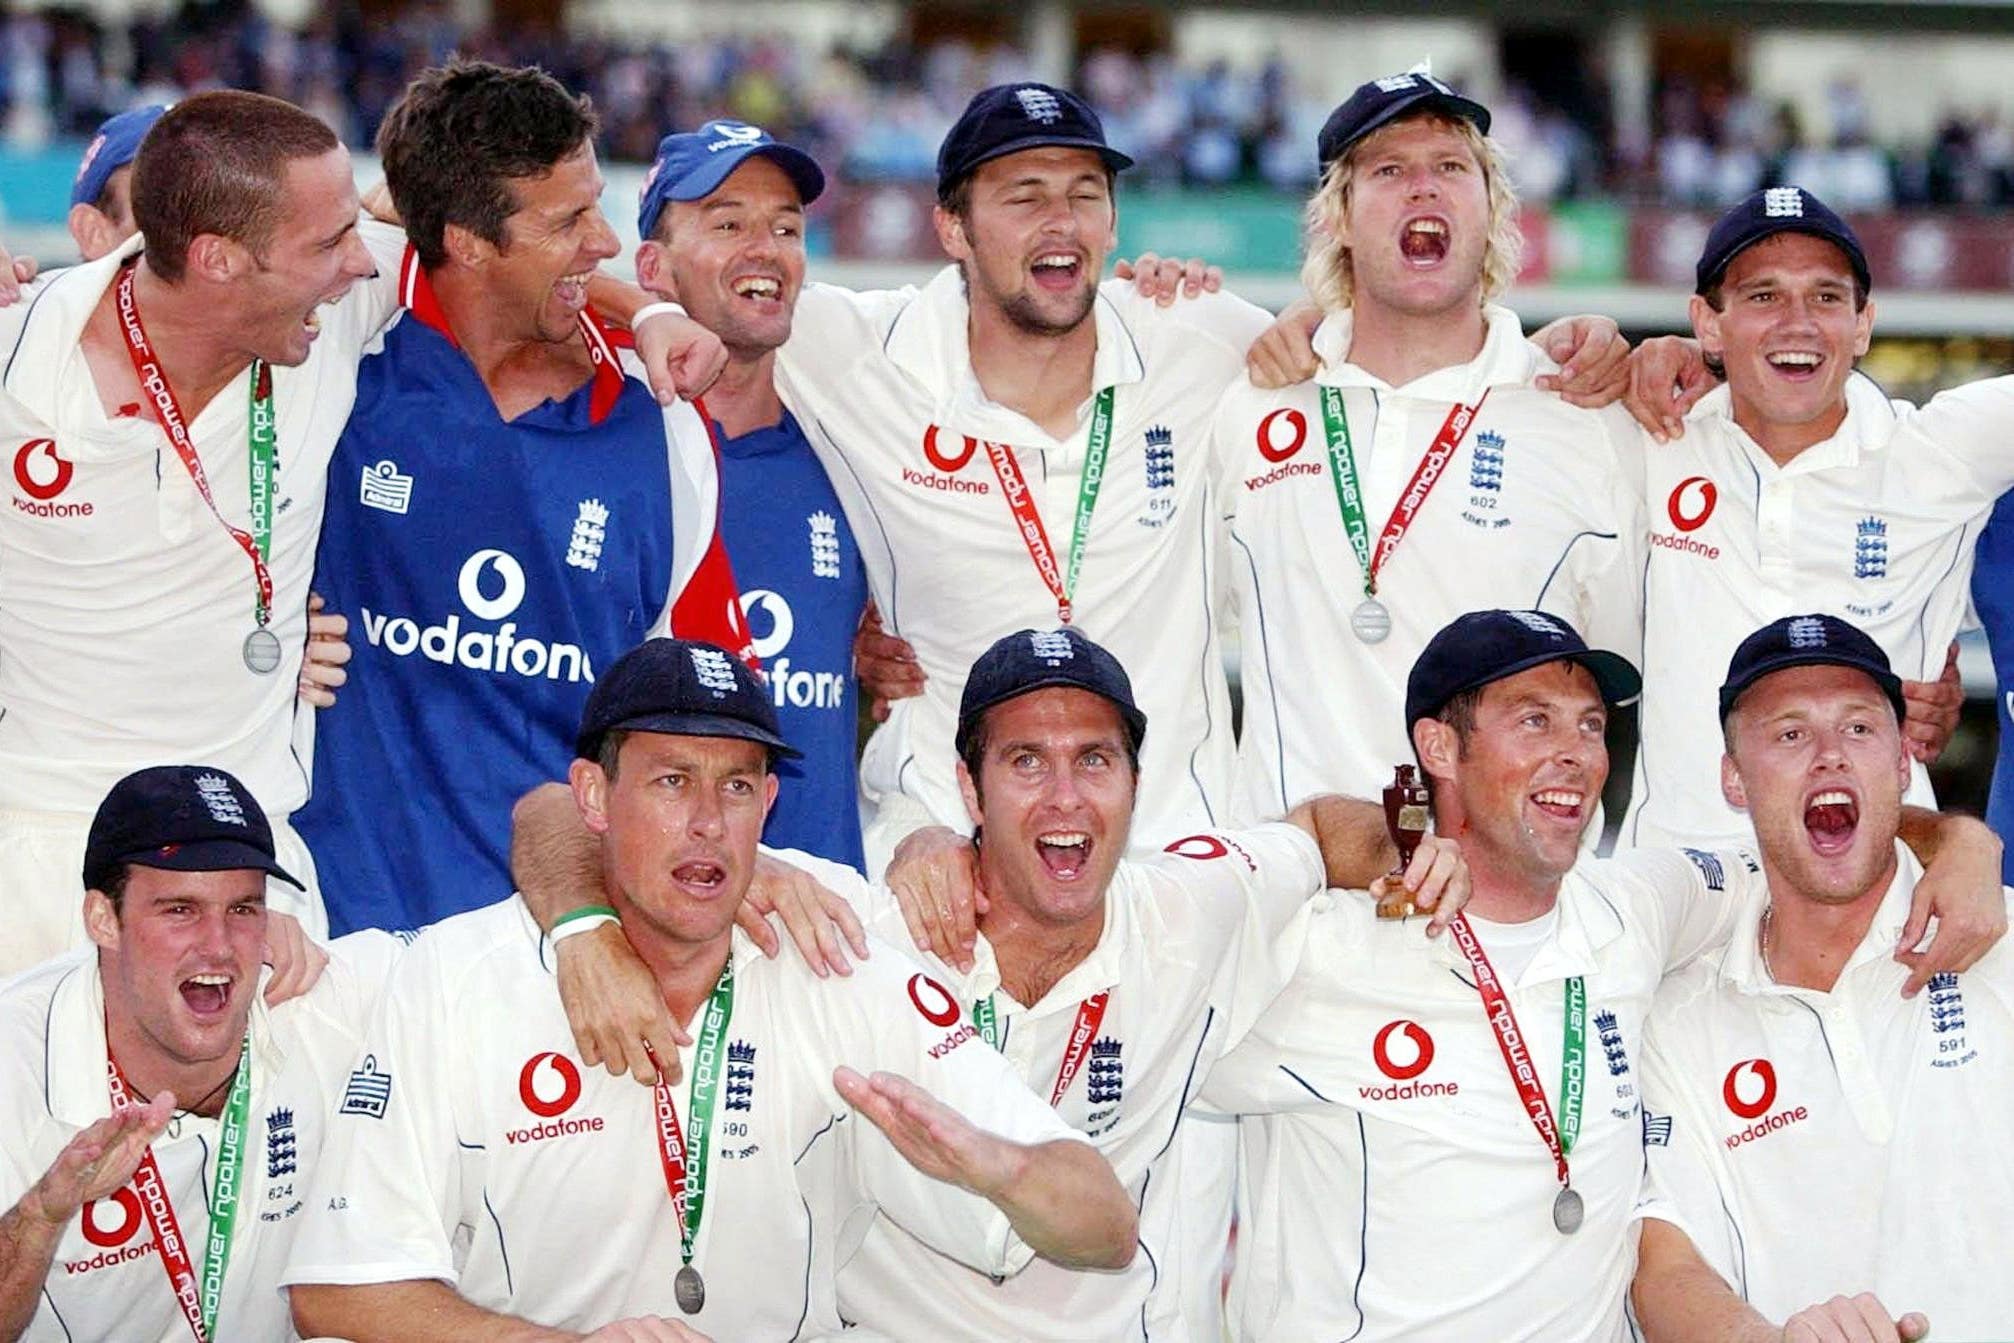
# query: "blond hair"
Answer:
x=1326 y=271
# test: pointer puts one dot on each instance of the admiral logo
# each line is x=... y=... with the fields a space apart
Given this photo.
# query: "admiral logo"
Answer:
x=949 y=464
x=42 y=475
x=110 y=1224
x=1748 y=1091
x=1689 y=506
x=764 y=610
x=501 y=650
x=740 y=1089
x=368 y=1092
x=385 y=489
x=1709 y=868
x=1656 y=1130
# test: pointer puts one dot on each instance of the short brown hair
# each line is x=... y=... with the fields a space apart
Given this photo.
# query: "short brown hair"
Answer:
x=217 y=163
x=460 y=133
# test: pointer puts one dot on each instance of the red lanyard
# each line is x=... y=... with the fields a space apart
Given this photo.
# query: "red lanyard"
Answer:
x=1510 y=1041
x=154 y=382
x=1060 y=578
x=1083 y=1031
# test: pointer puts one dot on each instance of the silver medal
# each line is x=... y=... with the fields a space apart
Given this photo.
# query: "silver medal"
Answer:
x=1567 y=1212
x=690 y=1289
x=1371 y=622
x=262 y=650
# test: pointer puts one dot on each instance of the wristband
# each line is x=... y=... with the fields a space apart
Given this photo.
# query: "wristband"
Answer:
x=650 y=310
x=584 y=919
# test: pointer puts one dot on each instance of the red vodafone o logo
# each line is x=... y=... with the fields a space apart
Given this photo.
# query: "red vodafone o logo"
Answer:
x=938 y=459
x=1281 y=434
x=1421 y=1045
x=1731 y=1089
x=1691 y=504
x=110 y=1237
x=933 y=1000
x=39 y=472
x=1200 y=847
x=569 y=1085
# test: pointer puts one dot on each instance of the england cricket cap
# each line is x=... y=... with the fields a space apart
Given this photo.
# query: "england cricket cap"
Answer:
x=1009 y=118
x=1486 y=646
x=1030 y=660
x=1383 y=101
x=185 y=818
x=1768 y=213
x=111 y=149
x=691 y=165
x=1808 y=641
x=684 y=688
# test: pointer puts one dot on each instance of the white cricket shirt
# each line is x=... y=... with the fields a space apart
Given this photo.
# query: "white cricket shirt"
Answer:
x=883 y=387
x=476 y=1149
x=1396 y=1188
x=107 y=1281
x=1876 y=525
x=1537 y=508
x=124 y=606
x=1813 y=1144
x=1196 y=942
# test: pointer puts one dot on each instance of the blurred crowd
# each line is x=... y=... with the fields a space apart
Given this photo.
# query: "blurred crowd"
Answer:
x=879 y=114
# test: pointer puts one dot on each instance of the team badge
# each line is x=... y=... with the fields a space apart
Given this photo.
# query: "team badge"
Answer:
x=740 y=1091
x=824 y=545
x=1870 y=549
x=590 y=530
x=1947 y=1023
x=1160 y=457
x=1486 y=481
x=282 y=1156
x=369 y=1091
x=1106 y=1083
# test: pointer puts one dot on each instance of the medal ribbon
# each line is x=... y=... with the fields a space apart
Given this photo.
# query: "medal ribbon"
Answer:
x=198 y=1297
x=688 y=1196
x=1083 y=1031
x=1559 y=1138
x=1349 y=486
x=1061 y=580
x=261 y=433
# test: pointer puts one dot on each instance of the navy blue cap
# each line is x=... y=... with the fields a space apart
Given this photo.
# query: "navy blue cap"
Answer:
x=1770 y=212
x=1486 y=646
x=111 y=149
x=1029 y=660
x=1808 y=641
x=691 y=165
x=1009 y=118
x=681 y=687
x=1383 y=101
x=185 y=818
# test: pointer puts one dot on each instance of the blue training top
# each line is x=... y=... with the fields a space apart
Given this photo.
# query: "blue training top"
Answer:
x=1993 y=595
x=803 y=589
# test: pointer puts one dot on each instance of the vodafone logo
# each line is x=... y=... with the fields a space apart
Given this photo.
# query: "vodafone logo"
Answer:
x=1691 y=504
x=509 y=582
x=763 y=609
x=1281 y=434
x=1418 y=1050
x=528 y=1089
x=939 y=459
x=101 y=1229
x=933 y=1000
x=39 y=472
x=1764 y=1085
x=1200 y=847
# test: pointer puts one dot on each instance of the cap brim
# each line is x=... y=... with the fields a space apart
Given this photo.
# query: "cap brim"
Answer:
x=1615 y=677
x=1114 y=160
x=802 y=170
x=1856 y=257
x=1890 y=683
x=212 y=855
x=706 y=725
x=1465 y=108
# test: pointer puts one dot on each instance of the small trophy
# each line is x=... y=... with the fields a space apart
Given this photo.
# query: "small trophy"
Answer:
x=1406 y=816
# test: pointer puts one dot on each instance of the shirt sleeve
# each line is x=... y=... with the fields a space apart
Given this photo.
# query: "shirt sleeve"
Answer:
x=1968 y=426
x=901 y=1019
x=1682 y=1173
x=372 y=302
x=392 y=1183
x=1694 y=897
x=1609 y=575
x=873 y=902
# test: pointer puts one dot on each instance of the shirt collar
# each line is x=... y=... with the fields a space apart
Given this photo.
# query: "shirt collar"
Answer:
x=77 y=1053
x=1743 y=968
x=416 y=294
x=1870 y=420
x=1588 y=922
x=1099 y=972
x=40 y=370
x=930 y=342
x=1506 y=357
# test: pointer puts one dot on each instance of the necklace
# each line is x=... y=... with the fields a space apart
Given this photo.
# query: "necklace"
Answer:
x=1762 y=940
x=194 y=1107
